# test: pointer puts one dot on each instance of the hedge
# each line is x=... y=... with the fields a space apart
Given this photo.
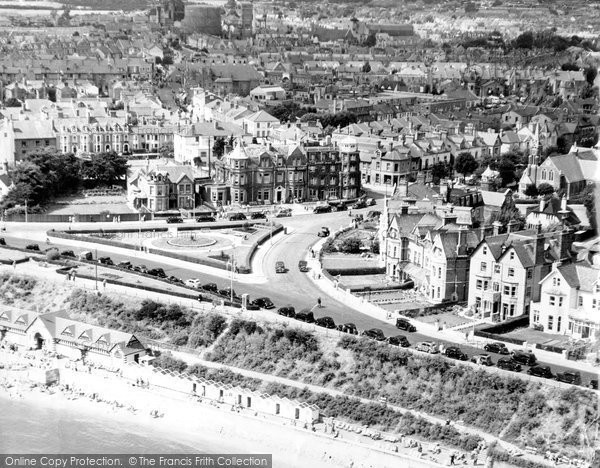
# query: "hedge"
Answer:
x=495 y=337
x=356 y=271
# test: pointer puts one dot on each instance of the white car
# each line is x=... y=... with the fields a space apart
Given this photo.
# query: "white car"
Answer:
x=192 y=283
x=428 y=347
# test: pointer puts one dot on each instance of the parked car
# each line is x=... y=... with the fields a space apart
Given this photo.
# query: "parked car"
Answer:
x=125 y=265
x=2 y=241
x=428 y=347
x=399 y=340
x=455 y=352
x=324 y=232
x=283 y=213
x=359 y=204
x=206 y=218
x=404 y=324
x=105 y=261
x=540 y=371
x=226 y=293
x=236 y=217
x=509 y=364
x=348 y=328
x=340 y=207
x=87 y=255
x=570 y=377
x=526 y=358
x=370 y=202
x=174 y=220
x=211 y=287
x=322 y=209
x=174 y=280
x=263 y=303
x=193 y=283
x=141 y=268
x=374 y=334
x=287 y=311
x=407 y=284
x=32 y=247
x=482 y=359
x=498 y=348
x=593 y=384
x=303 y=266
x=258 y=215
x=66 y=253
x=325 y=322
x=159 y=272
x=305 y=316
x=280 y=267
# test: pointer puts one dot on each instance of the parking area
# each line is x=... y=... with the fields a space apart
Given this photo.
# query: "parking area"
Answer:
x=533 y=336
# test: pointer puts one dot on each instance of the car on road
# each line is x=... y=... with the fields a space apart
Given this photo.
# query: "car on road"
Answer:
x=86 y=255
x=105 y=261
x=340 y=207
x=67 y=253
x=524 y=357
x=374 y=334
x=283 y=213
x=236 y=217
x=324 y=232
x=508 y=364
x=428 y=347
x=593 y=384
x=498 y=348
x=206 y=218
x=192 y=283
x=322 y=209
x=258 y=215
x=305 y=316
x=211 y=287
x=280 y=267
x=570 y=377
x=174 y=220
x=140 y=268
x=370 y=202
x=227 y=294
x=348 y=328
x=174 y=280
x=303 y=266
x=540 y=371
x=263 y=303
x=287 y=311
x=159 y=272
x=125 y=265
x=454 y=352
x=399 y=340
x=359 y=205
x=32 y=247
x=482 y=360
x=325 y=322
x=403 y=324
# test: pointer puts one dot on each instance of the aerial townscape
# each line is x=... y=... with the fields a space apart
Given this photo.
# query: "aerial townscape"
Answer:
x=350 y=234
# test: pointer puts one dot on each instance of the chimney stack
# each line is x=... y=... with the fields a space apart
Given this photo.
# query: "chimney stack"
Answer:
x=461 y=246
x=496 y=226
x=540 y=245
x=542 y=204
x=565 y=241
x=512 y=225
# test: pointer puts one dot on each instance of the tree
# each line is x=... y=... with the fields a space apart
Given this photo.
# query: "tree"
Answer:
x=350 y=245
x=370 y=41
x=166 y=151
x=465 y=163
x=531 y=190
x=218 y=147
x=104 y=169
x=366 y=68
x=545 y=189
x=590 y=74
x=439 y=171
x=524 y=41
x=13 y=102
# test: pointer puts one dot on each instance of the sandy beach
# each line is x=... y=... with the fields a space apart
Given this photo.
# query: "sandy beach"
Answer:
x=201 y=425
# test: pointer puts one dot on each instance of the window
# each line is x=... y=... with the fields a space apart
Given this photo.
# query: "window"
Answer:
x=530 y=273
x=552 y=300
x=506 y=290
x=483 y=266
x=550 y=322
x=558 y=320
x=536 y=316
x=478 y=284
x=497 y=268
x=560 y=301
x=484 y=250
x=496 y=287
x=528 y=291
x=580 y=301
x=555 y=281
x=511 y=272
x=512 y=255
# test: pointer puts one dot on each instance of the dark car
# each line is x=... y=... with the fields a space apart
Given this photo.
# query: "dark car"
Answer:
x=227 y=294
x=2 y=241
x=399 y=340
x=125 y=265
x=359 y=204
x=32 y=247
x=174 y=280
x=159 y=272
x=141 y=268
x=258 y=215
x=205 y=218
x=305 y=316
x=212 y=287
x=524 y=357
x=68 y=253
x=236 y=217
x=454 y=352
x=264 y=303
x=105 y=261
x=340 y=208
x=325 y=322
x=280 y=267
x=375 y=334
x=570 y=377
x=404 y=324
x=593 y=384
x=498 y=348
x=303 y=266
x=288 y=311
x=508 y=364
x=540 y=371
x=322 y=209
x=174 y=220
x=348 y=328
x=324 y=232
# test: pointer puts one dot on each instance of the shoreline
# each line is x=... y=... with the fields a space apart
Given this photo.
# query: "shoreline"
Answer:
x=194 y=425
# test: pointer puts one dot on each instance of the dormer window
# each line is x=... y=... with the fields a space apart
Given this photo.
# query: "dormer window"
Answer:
x=67 y=332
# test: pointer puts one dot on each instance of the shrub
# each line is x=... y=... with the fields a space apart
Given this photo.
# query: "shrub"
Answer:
x=351 y=245
x=52 y=254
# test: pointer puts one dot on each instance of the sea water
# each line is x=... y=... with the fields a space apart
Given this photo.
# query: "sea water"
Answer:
x=35 y=428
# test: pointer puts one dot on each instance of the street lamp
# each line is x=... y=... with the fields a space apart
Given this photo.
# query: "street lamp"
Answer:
x=231 y=264
x=96 y=284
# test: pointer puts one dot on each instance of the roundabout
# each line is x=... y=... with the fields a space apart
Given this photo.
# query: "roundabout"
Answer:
x=192 y=241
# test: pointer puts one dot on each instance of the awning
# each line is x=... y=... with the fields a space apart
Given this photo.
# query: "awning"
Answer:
x=418 y=274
